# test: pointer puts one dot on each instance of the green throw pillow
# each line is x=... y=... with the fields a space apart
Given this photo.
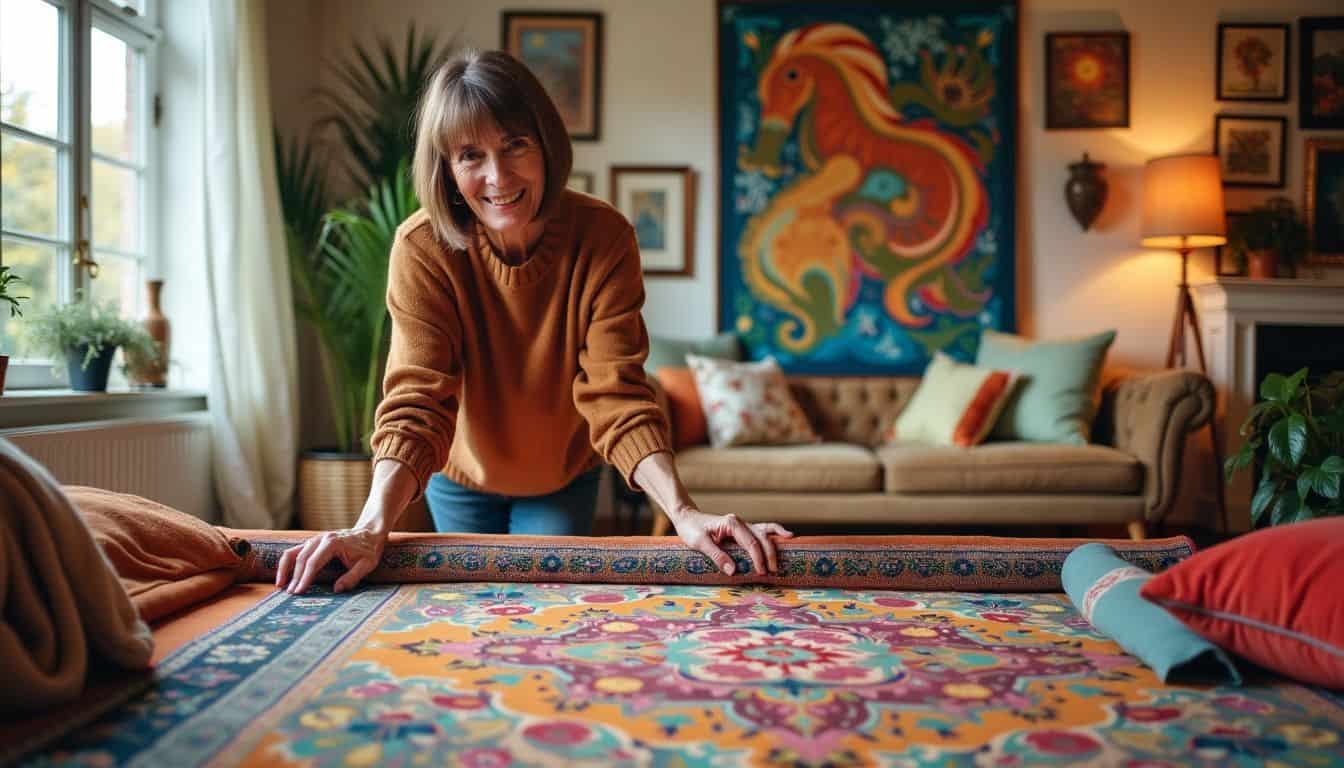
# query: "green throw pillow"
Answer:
x=1056 y=396
x=671 y=353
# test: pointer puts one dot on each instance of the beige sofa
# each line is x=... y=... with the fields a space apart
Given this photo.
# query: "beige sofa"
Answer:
x=1129 y=474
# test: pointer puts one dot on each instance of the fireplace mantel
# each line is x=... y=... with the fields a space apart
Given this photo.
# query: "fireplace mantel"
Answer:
x=1230 y=309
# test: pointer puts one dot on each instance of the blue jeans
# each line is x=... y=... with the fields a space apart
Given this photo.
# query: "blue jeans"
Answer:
x=566 y=512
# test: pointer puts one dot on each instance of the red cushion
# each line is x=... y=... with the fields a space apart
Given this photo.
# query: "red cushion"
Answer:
x=688 y=418
x=1275 y=596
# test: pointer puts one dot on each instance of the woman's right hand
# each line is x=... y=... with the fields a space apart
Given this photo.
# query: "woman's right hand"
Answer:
x=359 y=549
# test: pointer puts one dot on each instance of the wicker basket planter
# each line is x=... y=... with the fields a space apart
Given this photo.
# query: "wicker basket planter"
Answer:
x=333 y=487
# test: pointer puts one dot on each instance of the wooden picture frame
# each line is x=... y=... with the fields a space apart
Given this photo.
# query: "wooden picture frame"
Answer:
x=659 y=201
x=1324 y=181
x=1254 y=62
x=1086 y=80
x=1247 y=155
x=564 y=51
x=1321 y=72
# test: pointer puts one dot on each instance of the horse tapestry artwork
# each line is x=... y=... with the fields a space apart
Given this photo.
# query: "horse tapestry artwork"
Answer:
x=867 y=161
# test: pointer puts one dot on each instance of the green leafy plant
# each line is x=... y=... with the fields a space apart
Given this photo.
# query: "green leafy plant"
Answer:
x=88 y=326
x=1301 y=427
x=341 y=288
x=375 y=112
x=1274 y=226
x=7 y=295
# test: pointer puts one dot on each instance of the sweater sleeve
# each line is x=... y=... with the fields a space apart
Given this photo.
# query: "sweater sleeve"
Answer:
x=611 y=390
x=418 y=414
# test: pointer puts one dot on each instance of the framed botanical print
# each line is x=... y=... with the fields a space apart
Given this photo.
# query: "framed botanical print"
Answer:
x=1253 y=62
x=564 y=51
x=1251 y=149
x=1325 y=200
x=1086 y=80
x=659 y=201
x=1322 y=73
x=581 y=181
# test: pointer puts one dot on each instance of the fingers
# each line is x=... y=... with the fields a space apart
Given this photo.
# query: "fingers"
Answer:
x=775 y=529
x=353 y=576
x=746 y=539
x=315 y=555
x=706 y=546
x=286 y=564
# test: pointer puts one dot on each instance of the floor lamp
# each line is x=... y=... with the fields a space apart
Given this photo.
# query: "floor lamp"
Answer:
x=1183 y=210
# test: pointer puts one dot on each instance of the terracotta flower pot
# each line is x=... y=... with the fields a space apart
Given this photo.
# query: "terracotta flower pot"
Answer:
x=1262 y=265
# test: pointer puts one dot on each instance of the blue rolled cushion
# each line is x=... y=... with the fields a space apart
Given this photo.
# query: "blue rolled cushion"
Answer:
x=1105 y=590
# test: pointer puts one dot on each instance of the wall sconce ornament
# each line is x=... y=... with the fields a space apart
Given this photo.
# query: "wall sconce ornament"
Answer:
x=1085 y=191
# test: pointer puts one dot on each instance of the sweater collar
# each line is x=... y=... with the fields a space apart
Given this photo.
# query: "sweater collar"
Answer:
x=542 y=256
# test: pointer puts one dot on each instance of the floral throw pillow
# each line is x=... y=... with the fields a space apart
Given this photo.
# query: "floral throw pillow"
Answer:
x=748 y=403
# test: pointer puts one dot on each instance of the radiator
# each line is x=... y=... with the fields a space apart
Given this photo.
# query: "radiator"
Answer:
x=166 y=459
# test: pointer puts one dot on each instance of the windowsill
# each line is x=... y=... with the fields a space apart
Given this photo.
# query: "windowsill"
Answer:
x=49 y=407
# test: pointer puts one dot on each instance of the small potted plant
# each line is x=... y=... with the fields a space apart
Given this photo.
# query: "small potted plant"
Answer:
x=8 y=300
x=86 y=334
x=1300 y=427
x=1268 y=237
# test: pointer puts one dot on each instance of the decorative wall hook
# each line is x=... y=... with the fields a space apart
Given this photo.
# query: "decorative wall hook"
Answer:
x=1085 y=191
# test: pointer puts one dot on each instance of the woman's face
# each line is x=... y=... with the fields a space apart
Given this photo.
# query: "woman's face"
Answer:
x=502 y=177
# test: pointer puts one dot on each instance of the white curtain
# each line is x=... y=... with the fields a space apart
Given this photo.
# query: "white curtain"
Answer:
x=254 y=378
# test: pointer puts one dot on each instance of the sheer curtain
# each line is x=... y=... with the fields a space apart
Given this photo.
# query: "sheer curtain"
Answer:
x=254 y=374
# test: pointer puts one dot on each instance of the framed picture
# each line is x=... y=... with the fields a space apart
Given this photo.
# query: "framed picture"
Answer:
x=1325 y=200
x=659 y=201
x=1322 y=73
x=1252 y=62
x=1086 y=80
x=580 y=181
x=854 y=239
x=1229 y=263
x=1251 y=149
x=564 y=51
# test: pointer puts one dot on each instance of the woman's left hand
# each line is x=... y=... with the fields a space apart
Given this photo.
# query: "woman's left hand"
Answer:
x=704 y=532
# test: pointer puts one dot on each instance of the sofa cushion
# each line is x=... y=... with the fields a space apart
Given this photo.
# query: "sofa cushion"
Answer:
x=825 y=467
x=748 y=403
x=683 y=399
x=956 y=404
x=1009 y=468
x=1057 y=397
x=671 y=353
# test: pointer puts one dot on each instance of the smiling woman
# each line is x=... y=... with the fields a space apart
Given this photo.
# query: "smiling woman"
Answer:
x=508 y=436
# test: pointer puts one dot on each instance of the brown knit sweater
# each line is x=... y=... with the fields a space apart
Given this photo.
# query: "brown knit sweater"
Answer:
x=507 y=378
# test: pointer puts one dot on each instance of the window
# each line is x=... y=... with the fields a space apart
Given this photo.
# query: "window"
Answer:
x=76 y=120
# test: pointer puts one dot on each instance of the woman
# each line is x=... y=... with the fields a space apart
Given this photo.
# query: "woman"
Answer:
x=517 y=353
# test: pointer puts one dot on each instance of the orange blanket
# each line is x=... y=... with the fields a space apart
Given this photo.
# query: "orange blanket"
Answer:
x=61 y=604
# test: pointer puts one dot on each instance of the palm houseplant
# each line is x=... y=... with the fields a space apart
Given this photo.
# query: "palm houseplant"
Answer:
x=9 y=302
x=339 y=253
x=85 y=335
x=1295 y=435
x=1268 y=237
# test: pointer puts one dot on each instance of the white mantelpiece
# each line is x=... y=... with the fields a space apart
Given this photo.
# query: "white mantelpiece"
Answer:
x=1230 y=309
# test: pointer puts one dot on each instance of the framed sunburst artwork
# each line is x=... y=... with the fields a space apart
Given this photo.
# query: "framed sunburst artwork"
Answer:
x=1086 y=80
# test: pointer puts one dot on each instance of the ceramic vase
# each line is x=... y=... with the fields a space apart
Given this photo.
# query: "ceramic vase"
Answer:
x=156 y=374
x=1085 y=191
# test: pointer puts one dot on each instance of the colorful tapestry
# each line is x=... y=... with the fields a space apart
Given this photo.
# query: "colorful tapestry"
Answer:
x=867 y=160
x=963 y=563
x=542 y=674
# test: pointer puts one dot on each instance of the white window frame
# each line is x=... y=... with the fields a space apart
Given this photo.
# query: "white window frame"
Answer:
x=74 y=153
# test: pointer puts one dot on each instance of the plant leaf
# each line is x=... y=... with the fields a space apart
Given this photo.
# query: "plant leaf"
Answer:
x=1272 y=388
x=1261 y=501
x=1297 y=437
x=1333 y=464
x=1279 y=447
x=1326 y=483
x=1287 y=506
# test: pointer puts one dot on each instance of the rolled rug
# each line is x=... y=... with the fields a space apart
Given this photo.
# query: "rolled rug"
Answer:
x=1105 y=590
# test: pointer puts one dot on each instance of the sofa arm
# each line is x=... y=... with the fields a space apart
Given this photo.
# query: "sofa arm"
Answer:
x=1149 y=415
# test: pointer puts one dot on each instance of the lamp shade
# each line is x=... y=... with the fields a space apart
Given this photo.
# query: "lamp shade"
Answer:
x=1183 y=202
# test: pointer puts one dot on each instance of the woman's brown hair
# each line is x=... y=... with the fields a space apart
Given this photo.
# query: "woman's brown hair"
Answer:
x=463 y=95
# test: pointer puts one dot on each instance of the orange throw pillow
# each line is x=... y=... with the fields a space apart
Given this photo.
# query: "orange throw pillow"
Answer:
x=1272 y=596
x=167 y=560
x=688 y=418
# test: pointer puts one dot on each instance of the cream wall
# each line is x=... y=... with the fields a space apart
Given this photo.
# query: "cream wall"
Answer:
x=658 y=107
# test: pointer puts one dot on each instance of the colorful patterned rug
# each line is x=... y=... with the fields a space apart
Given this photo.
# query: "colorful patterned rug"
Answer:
x=542 y=674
